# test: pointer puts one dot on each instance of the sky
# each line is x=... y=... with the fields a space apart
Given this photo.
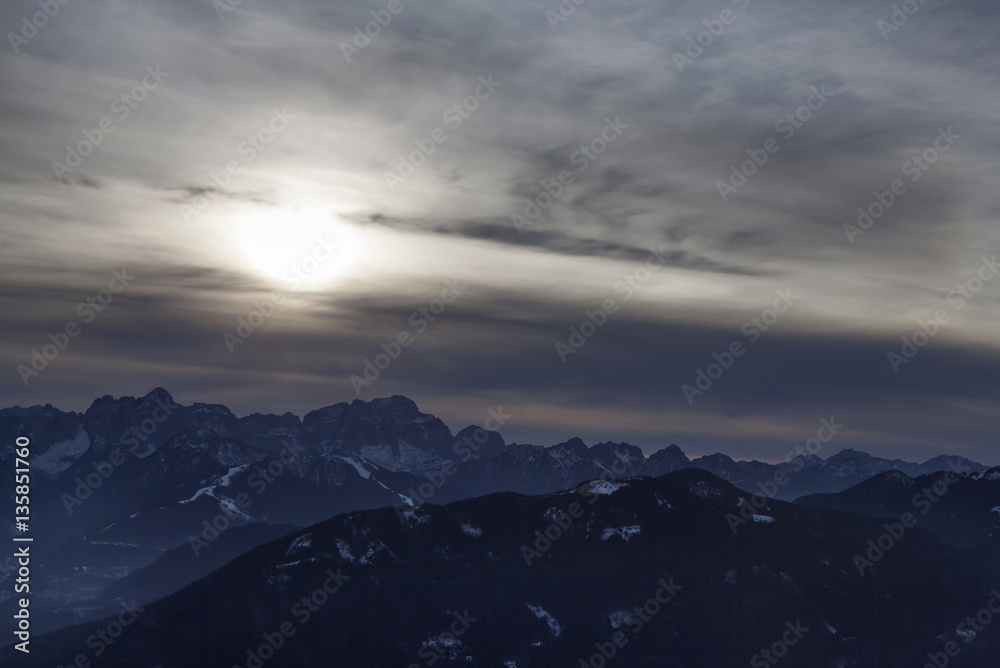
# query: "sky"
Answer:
x=262 y=203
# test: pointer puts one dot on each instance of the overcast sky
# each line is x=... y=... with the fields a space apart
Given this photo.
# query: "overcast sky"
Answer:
x=620 y=102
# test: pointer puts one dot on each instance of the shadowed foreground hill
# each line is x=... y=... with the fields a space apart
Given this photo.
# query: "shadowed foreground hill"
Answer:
x=963 y=509
x=401 y=580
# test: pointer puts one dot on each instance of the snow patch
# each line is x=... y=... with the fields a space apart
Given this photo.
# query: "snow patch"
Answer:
x=663 y=503
x=277 y=582
x=107 y=542
x=389 y=490
x=704 y=490
x=619 y=618
x=625 y=533
x=345 y=550
x=605 y=487
x=209 y=491
x=373 y=548
x=470 y=530
x=60 y=456
x=445 y=646
x=228 y=478
x=766 y=519
x=231 y=508
x=359 y=467
x=442 y=641
x=549 y=619
x=299 y=543
x=414 y=514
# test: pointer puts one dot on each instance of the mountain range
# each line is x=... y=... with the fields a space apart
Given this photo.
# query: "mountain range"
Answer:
x=139 y=496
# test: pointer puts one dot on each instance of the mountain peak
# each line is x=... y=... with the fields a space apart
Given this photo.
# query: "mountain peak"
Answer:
x=396 y=402
x=851 y=453
x=158 y=393
x=670 y=458
x=716 y=458
x=487 y=443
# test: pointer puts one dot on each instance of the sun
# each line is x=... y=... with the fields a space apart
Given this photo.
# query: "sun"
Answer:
x=301 y=248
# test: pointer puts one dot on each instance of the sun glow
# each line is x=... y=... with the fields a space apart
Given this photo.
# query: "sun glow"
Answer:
x=303 y=248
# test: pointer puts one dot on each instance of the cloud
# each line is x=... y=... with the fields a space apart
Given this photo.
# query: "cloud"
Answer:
x=657 y=183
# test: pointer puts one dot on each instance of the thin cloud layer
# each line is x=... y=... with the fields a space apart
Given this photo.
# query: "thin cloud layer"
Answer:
x=589 y=152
